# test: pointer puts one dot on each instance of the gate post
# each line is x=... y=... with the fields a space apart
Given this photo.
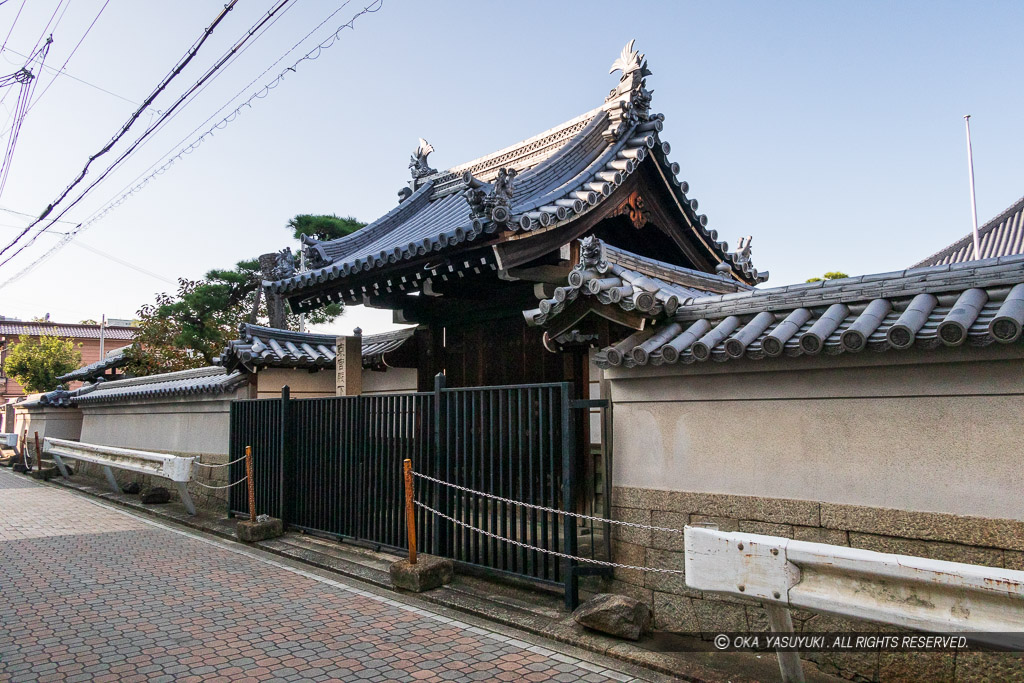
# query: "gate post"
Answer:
x=441 y=530
x=569 y=540
x=284 y=475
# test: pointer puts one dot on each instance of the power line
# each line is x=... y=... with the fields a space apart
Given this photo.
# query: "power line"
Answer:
x=131 y=120
x=76 y=78
x=312 y=55
x=73 y=51
x=149 y=131
x=28 y=87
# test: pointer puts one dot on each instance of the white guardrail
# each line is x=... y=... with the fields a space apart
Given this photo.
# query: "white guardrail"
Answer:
x=9 y=440
x=174 y=467
x=910 y=592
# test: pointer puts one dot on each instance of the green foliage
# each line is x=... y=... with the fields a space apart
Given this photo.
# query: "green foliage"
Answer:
x=831 y=275
x=36 y=362
x=88 y=321
x=323 y=227
x=190 y=328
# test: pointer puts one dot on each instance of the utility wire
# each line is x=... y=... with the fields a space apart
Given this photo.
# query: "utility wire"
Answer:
x=72 y=53
x=28 y=87
x=169 y=112
x=312 y=55
x=223 y=122
x=130 y=122
x=76 y=78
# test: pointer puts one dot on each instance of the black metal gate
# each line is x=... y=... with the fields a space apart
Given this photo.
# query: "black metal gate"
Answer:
x=334 y=466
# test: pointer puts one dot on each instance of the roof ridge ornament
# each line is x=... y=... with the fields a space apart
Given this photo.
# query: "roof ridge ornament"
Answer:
x=742 y=254
x=418 y=161
x=488 y=200
x=628 y=103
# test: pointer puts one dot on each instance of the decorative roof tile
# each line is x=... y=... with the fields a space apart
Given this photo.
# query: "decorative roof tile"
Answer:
x=88 y=373
x=209 y=380
x=35 y=329
x=974 y=303
x=555 y=177
x=259 y=346
x=1001 y=236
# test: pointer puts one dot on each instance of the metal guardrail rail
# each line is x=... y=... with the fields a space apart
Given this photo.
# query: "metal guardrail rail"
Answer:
x=910 y=592
x=177 y=468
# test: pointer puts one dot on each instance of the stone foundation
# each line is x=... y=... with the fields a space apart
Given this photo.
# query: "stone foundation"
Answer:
x=212 y=500
x=974 y=540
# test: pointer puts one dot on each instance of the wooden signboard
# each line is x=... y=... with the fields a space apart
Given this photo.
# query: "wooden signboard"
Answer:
x=349 y=366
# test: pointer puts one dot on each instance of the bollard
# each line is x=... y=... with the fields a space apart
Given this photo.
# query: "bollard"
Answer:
x=39 y=454
x=251 y=484
x=410 y=514
x=24 y=447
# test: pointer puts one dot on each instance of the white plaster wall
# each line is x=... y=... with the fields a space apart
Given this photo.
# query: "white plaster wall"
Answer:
x=938 y=435
x=58 y=423
x=196 y=425
x=391 y=381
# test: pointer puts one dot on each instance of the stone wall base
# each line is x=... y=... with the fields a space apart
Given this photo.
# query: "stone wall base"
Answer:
x=974 y=540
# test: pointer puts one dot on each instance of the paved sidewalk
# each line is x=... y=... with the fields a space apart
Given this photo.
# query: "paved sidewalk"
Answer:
x=93 y=593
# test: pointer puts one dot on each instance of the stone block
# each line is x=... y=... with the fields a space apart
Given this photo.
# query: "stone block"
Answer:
x=935 y=667
x=668 y=540
x=45 y=474
x=815 y=534
x=675 y=613
x=934 y=550
x=132 y=488
x=631 y=534
x=1013 y=559
x=715 y=616
x=428 y=573
x=766 y=528
x=928 y=526
x=253 y=532
x=155 y=495
x=616 y=615
x=722 y=523
x=664 y=582
x=990 y=667
x=631 y=554
x=622 y=588
x=19 y=468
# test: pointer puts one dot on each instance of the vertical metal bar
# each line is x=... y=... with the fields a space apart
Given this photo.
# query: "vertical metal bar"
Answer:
x=781 y=621
x=542 y=431
x=569 y=541
x=410 y=517
x=251 y=484
x=440 y=531
x=492 y=555
x=521 y=496
x=532 y=513
x=286 y=464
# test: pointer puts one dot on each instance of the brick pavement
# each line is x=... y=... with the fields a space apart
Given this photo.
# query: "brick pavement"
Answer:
x=92 y=593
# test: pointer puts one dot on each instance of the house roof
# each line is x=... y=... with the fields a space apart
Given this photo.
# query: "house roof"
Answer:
x=559 y=175
x=209 y=380
x=77 y=331
x=975 y=303
x=629 y=281
x=87 y=373
x=1001 y=236
x=259 y=346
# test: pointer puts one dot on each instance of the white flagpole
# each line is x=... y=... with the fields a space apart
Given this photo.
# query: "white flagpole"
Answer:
x=970 y=172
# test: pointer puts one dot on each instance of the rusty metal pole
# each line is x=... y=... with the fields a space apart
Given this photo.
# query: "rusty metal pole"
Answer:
x=39 y=454
x=410 y=515
x=251 y=484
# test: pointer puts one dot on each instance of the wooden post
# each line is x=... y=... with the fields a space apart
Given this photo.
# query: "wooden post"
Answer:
x=24 y=447
x=251 y=485
x=39 y=454
x=410 y=513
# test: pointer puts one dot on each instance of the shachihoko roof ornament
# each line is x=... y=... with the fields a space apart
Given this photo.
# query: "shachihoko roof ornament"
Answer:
x=418 y=161
x=635 y=98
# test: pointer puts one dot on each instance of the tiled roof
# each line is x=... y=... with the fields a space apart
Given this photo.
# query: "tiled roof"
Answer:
x=631 y=282
x=88 y=373
x=210 y=380
x=34 y=329
x=561 y=175
x=975 y=303
x=259 y=346
x=1001 y=236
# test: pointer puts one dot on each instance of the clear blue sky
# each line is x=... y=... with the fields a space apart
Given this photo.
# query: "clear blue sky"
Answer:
x=831 y=132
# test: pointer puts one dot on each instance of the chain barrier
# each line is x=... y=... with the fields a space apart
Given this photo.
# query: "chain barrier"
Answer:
x=217 y=488
x=212 y=465
x=546 y=509
x=544 y=550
